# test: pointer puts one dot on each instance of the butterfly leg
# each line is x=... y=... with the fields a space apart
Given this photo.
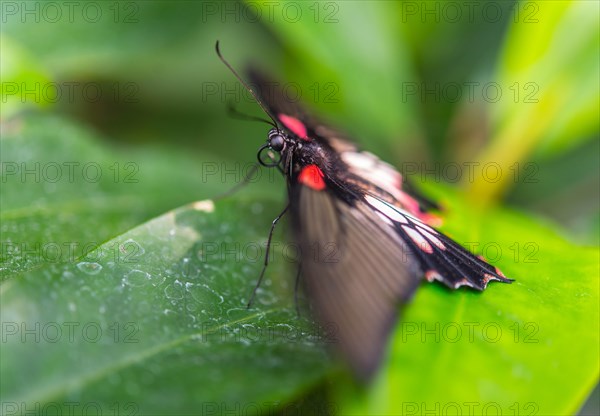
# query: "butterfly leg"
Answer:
x=240 y=185
x=262 y=273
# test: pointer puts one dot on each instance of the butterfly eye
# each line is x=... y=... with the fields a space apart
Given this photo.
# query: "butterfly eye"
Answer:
x=276 y=142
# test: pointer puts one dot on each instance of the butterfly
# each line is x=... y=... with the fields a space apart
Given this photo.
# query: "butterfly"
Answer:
x=366 y=238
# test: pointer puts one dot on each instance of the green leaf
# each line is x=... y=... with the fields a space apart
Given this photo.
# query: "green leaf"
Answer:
x=89 y=35
x=107 y=315
x=156 y=321
x=550 y=68
x=143 y=71
x=64 y=193
x=526 y=348
x=562 y=68
x=169 y=295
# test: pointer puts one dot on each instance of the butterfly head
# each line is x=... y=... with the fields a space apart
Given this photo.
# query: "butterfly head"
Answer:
x=277 y=144
x=277 y=140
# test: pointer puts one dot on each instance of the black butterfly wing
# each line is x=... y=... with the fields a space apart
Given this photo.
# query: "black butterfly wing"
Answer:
x=362 y=167
x=365 y=240
x=439 y=257
x=356 y=270
x=363 y=258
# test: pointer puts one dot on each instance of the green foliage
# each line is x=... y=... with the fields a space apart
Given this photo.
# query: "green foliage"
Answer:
x=169 y=299
x=551 y=62
x=154 y=321
x=103 y=246
x=62 y=188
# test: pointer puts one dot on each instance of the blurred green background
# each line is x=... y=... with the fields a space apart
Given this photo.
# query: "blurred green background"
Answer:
x=440 y=89
x=430 y=84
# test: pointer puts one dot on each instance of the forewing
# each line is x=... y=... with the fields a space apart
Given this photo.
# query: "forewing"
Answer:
x=439 y=257
x=360 y=260
x=275 y=99
x=356 y=271
x=359 y=167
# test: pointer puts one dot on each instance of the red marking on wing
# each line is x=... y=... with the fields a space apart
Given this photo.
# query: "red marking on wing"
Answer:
x=498 y=271
x=432 y=275
x=486 y=279
x=294 y=125
x=312 y=177
x=431 y=219
x=412 y=205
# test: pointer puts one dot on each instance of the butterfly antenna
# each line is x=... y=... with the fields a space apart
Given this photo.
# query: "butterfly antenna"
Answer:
x=233 y=112
x=228 y=65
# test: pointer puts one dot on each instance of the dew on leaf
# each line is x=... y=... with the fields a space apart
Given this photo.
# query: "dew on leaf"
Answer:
x=131 y=249
x=204 y=294
x=89 y=267
x=136 y=278
x=174 y=290
x=67 y=274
